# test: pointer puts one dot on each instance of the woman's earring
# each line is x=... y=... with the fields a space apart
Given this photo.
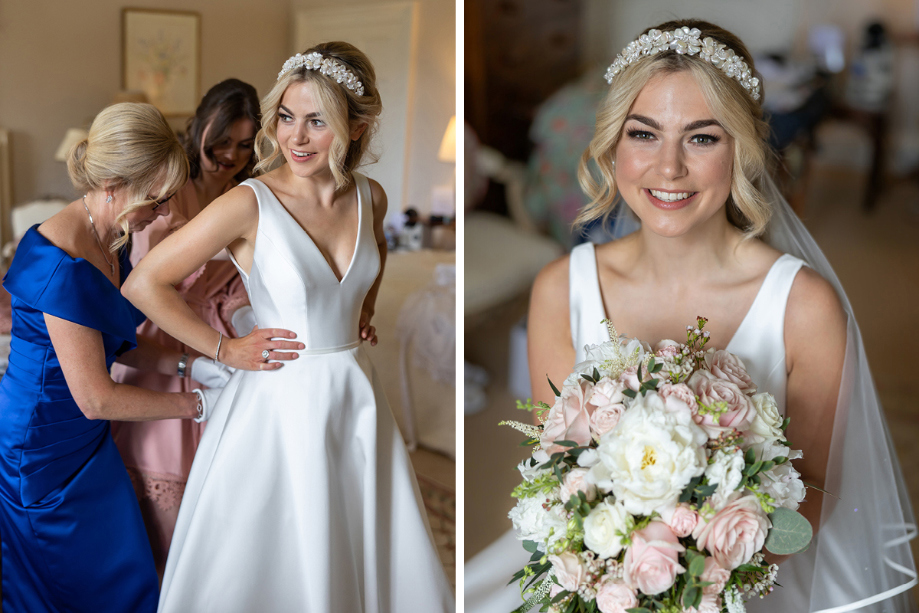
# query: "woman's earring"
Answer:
x=109 y=198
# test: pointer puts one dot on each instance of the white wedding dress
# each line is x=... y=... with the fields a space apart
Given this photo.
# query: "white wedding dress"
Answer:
x=301 y=496
x=759 y=342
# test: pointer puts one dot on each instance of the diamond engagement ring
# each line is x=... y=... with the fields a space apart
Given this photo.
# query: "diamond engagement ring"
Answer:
x=265 y=354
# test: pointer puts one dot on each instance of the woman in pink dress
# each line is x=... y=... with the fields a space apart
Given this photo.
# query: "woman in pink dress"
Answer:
x=158 y=456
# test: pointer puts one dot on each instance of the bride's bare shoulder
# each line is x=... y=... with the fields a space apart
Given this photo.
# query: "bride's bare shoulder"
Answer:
x=551 y=284
x=814 y=317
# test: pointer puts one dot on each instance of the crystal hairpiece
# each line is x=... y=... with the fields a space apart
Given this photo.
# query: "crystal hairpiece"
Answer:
x=687 y=42
x=325 y=65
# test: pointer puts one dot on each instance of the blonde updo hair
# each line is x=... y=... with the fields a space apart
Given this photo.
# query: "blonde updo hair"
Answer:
x=129 y=146
x=739 y=114
x=342 y=110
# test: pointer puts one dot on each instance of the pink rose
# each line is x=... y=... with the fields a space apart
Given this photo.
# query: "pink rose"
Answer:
x=651 y=561
x=740 y=412
x=667 y=349
x=568 y=570
x=679 y=391
x=575 y=482
x=615 y=597
x=711 y=603
x=606 y=406
x=568 y=419
x=735 y=533
x=605 y=418
x=714 y=574
x=729 y=367
x=682 y=519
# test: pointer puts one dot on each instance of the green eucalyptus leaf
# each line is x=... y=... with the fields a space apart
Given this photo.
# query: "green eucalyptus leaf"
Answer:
x=629 y=393
x=531 y=546
x=690 y=594
x=596 y=374
x=750 y=456
x=791 y=532
x=696 y=568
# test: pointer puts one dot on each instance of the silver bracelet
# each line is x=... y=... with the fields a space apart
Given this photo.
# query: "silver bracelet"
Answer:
x=217 y=353
x=183 y=363
x=200 y=407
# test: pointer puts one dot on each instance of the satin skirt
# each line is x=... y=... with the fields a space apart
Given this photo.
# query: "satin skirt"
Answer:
x=302 y=498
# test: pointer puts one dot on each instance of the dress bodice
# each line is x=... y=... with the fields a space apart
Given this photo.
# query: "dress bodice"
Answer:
x=292 y=286
x=759 y=341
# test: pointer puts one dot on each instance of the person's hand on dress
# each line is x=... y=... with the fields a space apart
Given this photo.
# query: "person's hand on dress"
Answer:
x=367 y=332
x=259 y=350
x=210 y=373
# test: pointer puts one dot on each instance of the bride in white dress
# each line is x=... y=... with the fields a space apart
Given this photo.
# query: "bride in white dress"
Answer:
x=681 y=140
x=301 y=496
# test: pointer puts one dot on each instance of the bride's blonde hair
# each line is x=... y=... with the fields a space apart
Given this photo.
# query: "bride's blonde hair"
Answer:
x=732 y=105
x=342 y=109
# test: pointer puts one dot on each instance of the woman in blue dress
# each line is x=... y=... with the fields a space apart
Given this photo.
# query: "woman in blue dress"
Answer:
x=72 y=534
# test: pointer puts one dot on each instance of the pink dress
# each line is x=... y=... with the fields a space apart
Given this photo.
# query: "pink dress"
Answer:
x=158 y=454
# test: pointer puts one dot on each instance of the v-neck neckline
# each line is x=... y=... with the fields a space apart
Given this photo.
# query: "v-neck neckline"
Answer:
x=743 y=322
x=357 y=239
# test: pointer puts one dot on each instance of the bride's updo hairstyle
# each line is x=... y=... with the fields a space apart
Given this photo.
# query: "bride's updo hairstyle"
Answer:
x=343 y=109
x=733 y=106
x=129 y=146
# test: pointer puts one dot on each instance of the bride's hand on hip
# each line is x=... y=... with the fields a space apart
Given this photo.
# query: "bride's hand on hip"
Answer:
x=367 y=332
x=259 y=350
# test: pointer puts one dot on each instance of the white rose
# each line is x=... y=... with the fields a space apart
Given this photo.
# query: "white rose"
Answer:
x=534 y=523
x=650 y=456
x=725 y=471
x=769 y=450
x=767 y=425
x=601 y=528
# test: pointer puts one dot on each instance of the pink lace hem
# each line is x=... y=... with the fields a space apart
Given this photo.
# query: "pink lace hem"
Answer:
x=163 y=490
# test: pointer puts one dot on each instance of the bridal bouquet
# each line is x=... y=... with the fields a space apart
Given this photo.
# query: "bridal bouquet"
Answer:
x=656 y=481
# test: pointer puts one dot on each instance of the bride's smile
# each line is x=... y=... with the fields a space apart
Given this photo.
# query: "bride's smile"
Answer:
x=673 y=159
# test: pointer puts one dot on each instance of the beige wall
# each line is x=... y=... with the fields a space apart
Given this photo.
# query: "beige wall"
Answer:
x=60 y=63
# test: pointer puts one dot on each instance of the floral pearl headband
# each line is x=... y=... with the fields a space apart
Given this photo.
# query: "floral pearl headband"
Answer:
x=325 y=65
x=687 y=42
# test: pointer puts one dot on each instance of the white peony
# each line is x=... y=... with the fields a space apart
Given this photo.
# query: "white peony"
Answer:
x=650 y=456
x=725 y=471
x=767 y=425
x=602 y=529
x=532 y=522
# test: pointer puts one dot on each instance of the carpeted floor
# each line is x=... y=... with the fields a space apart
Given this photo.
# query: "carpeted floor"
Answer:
x=440 y=503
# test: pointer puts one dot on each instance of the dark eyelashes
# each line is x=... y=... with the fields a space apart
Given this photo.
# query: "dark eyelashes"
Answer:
x=699 y=139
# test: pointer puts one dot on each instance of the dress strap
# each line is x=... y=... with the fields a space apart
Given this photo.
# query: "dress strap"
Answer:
x=585 y=303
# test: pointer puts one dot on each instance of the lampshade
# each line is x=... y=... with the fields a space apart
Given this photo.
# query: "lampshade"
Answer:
x=447 y=151
x=73 y=136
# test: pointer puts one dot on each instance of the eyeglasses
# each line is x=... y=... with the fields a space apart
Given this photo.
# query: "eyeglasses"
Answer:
x=157 y=203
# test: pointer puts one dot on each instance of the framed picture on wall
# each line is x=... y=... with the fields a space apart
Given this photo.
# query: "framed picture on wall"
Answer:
x=161 y=56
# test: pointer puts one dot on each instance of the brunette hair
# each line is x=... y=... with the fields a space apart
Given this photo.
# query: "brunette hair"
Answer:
x=222 y=106
x=733 y=106
x=342 y=109
x=129 y=145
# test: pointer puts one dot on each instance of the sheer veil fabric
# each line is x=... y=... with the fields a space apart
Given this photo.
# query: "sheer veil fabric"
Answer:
x=861 y=554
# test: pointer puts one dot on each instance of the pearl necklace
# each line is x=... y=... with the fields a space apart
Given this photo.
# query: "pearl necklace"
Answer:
x=111 y=263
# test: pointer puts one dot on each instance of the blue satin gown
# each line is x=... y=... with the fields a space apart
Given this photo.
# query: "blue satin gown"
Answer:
x=73 y=537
